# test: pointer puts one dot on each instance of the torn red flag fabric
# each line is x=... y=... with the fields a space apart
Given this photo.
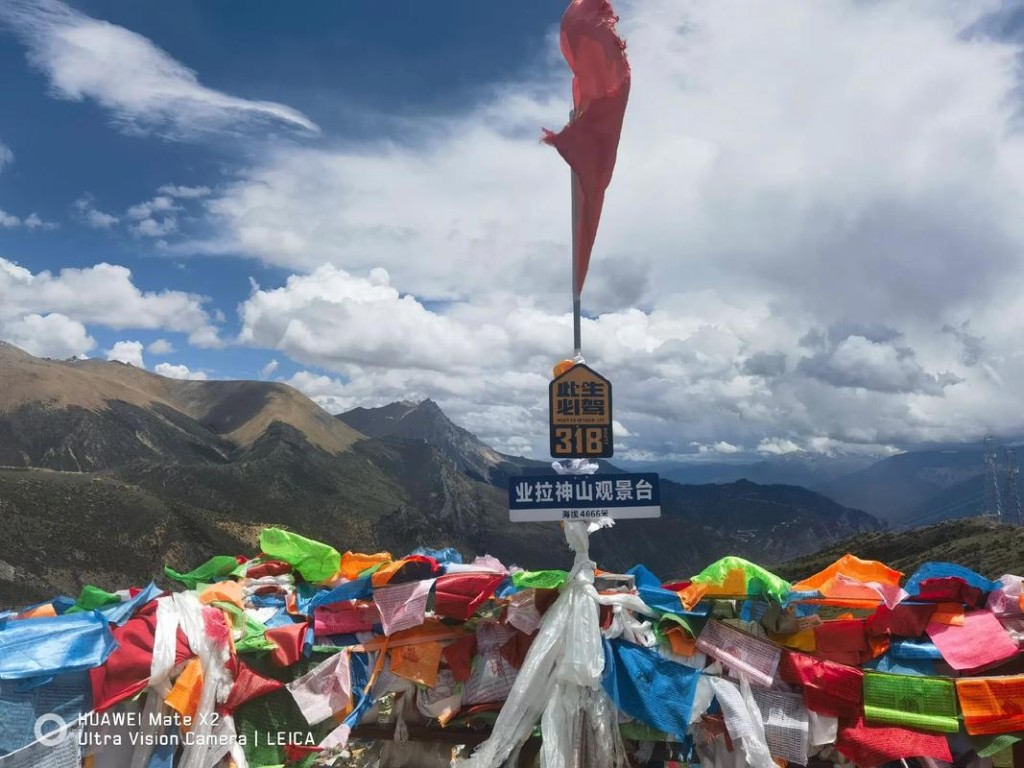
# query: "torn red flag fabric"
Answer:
x=457 y=596
x=600 y=89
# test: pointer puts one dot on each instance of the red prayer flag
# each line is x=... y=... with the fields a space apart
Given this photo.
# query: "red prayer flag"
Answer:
x=458 y=595
x=289 y=640
x=829 y=688
x=872 y=745
x=459 y=656
x=600 y=89
x=249 y=685
x=126 y=671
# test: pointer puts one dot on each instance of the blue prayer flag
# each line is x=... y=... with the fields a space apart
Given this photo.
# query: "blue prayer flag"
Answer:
x=644 y=684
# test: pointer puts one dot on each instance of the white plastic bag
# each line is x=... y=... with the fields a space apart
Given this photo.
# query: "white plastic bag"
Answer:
x=555 y=670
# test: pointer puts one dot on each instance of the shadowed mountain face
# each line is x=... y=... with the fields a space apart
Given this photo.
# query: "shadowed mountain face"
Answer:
x=910 y=486
x=112 y=471
x=426 y=422
x=808 y=470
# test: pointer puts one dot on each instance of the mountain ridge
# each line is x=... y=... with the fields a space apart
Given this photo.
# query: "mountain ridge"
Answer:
x=190 y=486
x=983 y=545
x=58 y=414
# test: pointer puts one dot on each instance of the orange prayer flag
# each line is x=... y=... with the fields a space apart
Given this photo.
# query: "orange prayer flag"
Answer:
x=992 y=705
x=682 y=643
x=383 y=575
x=950 y=614
x=45 y=611
x=734 y=584
x=801 y=641
x=430 y=631
x=418 y=663
x=692 y=595
x=223 y=592
x=853 y=568
x=878 y=644
x=184 y=696
x=354 y=563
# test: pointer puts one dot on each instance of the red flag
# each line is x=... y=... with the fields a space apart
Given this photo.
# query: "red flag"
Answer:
x=600 y=89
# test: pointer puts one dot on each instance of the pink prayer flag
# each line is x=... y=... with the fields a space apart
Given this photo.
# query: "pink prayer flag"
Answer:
x=344 y=618
x=402 y=606
x=324 y=690
x=600 y=90
x=756 y=658
x=980 y=642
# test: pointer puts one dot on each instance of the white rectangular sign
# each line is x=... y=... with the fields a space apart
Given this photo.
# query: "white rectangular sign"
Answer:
x=540 y=498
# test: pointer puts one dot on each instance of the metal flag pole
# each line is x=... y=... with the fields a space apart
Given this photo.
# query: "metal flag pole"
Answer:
x=575 y=203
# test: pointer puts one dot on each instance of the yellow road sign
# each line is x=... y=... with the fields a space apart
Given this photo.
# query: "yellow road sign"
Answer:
x=580 y=403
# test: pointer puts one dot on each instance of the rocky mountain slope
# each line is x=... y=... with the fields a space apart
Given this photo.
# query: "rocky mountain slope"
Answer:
x=113 y=471
x=426 y=422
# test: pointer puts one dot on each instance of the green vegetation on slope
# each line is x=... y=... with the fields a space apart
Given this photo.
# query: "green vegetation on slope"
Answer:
x=980 y=544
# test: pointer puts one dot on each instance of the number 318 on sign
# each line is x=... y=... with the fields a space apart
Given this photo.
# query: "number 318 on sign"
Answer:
x=577 y=440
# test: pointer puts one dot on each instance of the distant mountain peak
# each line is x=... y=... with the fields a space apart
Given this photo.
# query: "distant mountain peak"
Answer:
x=426 y=421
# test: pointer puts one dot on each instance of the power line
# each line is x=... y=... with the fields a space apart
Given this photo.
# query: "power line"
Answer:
x=993 y=497
x=968 y=504
x=1012 y=496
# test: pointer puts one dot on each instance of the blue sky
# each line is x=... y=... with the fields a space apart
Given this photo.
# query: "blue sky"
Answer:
x=322 y=59
x=812 y=241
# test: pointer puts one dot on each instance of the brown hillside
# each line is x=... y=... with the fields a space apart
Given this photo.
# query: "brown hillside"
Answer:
x=238 y=412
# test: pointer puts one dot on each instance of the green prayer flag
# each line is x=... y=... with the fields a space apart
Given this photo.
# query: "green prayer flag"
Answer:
x=678 y=621
x=370 y=571
x=254 y=639
x=314 y=561
x=211 y=570
x=639 y=732
x=260 y=722
x=93 y=598
x=759 y=581
x=990 y=746
x=928 y=703
x=539 y=579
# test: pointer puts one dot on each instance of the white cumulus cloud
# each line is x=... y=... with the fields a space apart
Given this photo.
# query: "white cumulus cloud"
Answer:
x=53 y=335
x=95 y=218
x=159 y=204
x=156 y=227
x=183 y=372
x=104 y=294
x=781 y=186
x=126 y=352
x=160 y=347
